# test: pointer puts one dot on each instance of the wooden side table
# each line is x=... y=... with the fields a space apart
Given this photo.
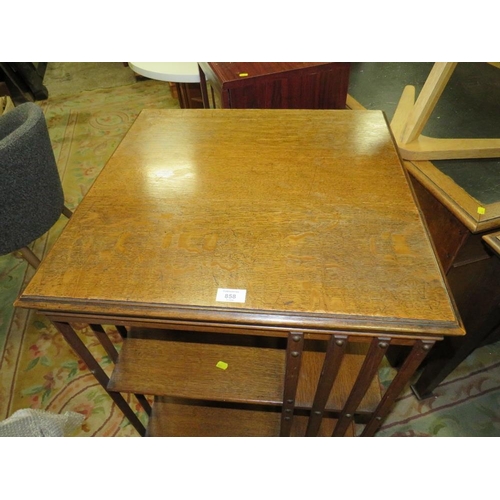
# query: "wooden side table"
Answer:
x=274 y=85
x=261 y=286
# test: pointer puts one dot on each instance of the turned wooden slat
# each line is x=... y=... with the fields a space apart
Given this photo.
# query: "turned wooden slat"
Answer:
x=294 y=354
x=376 y=352
x=331 y=365
x=352 y=362
x=122 y=330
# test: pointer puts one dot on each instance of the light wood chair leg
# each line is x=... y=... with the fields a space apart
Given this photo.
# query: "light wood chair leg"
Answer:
x=427 y=100
x=30 y=257
x=28 y=254
x=67 y=212
x=403 y=110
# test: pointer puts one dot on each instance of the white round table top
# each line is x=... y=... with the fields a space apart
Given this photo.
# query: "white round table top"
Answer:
x=177 y=72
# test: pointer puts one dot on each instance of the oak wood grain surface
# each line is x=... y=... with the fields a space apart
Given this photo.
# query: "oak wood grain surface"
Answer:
x=253 y=375
x=171 y=418
x=310 y=212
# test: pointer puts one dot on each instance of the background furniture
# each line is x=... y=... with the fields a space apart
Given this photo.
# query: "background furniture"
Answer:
x=472 y=269
x=411 y=117
x=459 y=197
x=24 y=80
x=185 y=75
x=269 y=283
x=460 y=217
x=31 y=195
x=493 y=240
x=274 y=85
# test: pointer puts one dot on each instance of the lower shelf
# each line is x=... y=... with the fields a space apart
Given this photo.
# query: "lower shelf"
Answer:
x=189 y=370
x=173 y=419
x=197 y=396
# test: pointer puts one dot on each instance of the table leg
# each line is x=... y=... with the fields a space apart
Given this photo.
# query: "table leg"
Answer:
x=419 y=351
x=181 y=95
x=476 y=292
x=110 y=349
x=438 y=369
x=81 y=350
x=204 y=93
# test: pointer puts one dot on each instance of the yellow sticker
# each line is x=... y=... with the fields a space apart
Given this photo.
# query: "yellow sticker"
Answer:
x=243 y=74
x=222 y=365
x=481 y=210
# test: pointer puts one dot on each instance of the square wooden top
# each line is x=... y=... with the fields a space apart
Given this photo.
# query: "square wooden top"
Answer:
x=309 y=212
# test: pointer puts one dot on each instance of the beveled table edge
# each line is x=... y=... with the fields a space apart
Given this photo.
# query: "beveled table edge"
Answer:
x=251 y=318
x=455 y=199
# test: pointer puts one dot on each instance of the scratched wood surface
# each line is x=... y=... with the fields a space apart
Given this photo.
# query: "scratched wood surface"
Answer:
x=310 y=212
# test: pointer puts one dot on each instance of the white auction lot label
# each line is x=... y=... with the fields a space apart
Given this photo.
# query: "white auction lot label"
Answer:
x=230 y=295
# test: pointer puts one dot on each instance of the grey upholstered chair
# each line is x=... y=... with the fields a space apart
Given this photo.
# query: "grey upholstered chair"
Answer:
x=31 y=195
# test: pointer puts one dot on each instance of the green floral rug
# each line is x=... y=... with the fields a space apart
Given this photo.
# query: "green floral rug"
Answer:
x=465 y=404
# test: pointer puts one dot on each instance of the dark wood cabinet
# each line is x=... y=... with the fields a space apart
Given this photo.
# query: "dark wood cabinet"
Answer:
x=265 y=85
x=473 y=274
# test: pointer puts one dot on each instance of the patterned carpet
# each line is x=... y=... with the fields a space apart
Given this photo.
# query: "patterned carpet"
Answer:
x=38 y=369
x=466 y=404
